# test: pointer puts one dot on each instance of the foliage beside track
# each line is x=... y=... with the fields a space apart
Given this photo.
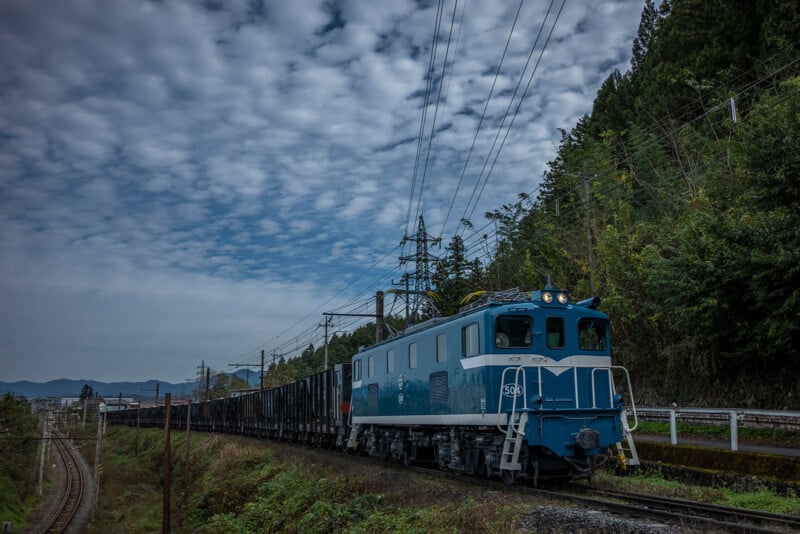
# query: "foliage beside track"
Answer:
x=241 y=485
x=652 y=482
x=19 y=443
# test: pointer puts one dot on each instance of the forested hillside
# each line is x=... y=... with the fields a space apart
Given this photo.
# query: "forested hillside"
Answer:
x=678 y=202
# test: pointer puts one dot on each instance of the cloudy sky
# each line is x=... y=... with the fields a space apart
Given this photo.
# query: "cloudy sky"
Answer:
x=186 y=180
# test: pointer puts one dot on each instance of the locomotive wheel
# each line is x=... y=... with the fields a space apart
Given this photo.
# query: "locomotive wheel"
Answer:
x=481 y=469
x=508 y=476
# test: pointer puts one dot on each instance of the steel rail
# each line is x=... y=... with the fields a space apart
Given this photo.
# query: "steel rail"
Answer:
x=738 y=519
x=74 y=487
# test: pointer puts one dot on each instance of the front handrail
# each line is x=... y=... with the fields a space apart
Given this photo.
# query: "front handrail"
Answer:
x=520 y=371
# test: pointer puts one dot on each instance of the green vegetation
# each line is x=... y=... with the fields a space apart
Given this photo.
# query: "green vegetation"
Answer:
x=681 y=218
x=19 y=443
x=240 y=485
x=654 y=484
x=680 y=215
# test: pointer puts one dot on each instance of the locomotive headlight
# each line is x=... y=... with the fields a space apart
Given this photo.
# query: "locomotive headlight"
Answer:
x=562 y=298
x=547 y=297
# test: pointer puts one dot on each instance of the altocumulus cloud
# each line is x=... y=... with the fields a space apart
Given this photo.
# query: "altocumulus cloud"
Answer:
x=183 y=180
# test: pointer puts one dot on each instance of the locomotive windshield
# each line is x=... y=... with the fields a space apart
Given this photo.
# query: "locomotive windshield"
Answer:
x=592 y=334
x=512 y=332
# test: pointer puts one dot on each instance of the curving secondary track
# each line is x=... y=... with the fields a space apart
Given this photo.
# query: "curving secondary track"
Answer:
x=73 y=488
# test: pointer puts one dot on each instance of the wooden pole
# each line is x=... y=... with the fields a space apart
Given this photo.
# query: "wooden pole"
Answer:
x=42 y=455
x=188 y=438
x=138 y=416
x=167 y=449
x=97 y=462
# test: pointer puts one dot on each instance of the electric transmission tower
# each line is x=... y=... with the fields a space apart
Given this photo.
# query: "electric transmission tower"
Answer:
x=421 y=276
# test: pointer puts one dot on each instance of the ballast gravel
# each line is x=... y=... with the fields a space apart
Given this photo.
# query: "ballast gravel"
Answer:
x=568 y=519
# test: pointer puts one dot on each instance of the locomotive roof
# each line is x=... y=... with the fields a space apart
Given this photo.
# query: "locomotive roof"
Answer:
x=494 y=299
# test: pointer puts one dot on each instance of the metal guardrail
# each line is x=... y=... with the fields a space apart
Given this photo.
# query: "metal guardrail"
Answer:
x=775 y=419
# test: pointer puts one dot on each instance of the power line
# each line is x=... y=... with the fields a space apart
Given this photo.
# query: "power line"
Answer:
x=436 y=110
x=516 y=111
x=431 y=64
x=483 y=115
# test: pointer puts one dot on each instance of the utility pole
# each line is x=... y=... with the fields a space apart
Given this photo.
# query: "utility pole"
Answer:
x=186 y=464
x=154 y=389
x=97 y=462
x=201 y=376
x=42 y=454
x=138 y=417
x=326 y=325
x=167 y=449
x=248 y=365
x=589 y=231
x=378 y=316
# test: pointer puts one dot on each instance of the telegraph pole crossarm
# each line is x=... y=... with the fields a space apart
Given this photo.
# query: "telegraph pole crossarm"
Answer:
x=248 y=365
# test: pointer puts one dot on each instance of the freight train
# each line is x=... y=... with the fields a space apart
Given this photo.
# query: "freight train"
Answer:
x=516 y=385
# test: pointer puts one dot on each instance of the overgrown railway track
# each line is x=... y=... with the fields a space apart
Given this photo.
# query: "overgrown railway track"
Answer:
x=685 y=515
x=73 y=488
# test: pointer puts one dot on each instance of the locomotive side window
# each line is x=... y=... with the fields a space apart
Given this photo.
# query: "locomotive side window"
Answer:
x=390 y=362
x=412 y=356
x=469 y=340
x=592 y=334
x=356 y=370
x=441 y=348
x=512 y=331
x=555 y=333
x=371 y=366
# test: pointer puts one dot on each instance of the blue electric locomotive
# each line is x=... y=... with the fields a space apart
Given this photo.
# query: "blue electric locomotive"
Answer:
x=519 y=385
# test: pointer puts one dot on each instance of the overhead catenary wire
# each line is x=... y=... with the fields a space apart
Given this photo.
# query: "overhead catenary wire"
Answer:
x=467 y=216
x=480 y=121
x=420 y=138
x=665 y=136
x=477 y=238
x=436 y=112
x=596 y=175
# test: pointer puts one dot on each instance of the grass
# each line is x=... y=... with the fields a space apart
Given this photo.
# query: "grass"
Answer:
x=240 y=485
x=761 y=500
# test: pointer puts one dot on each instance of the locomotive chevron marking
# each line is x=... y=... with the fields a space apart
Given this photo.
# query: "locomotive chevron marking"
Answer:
x=554 y=366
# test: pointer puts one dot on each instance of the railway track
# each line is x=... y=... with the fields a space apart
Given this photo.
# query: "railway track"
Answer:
x=685 y=515
x=73 y=489
x=684 y=512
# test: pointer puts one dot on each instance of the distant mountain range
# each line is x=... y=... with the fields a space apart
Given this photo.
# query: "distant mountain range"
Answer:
x=72 y=388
